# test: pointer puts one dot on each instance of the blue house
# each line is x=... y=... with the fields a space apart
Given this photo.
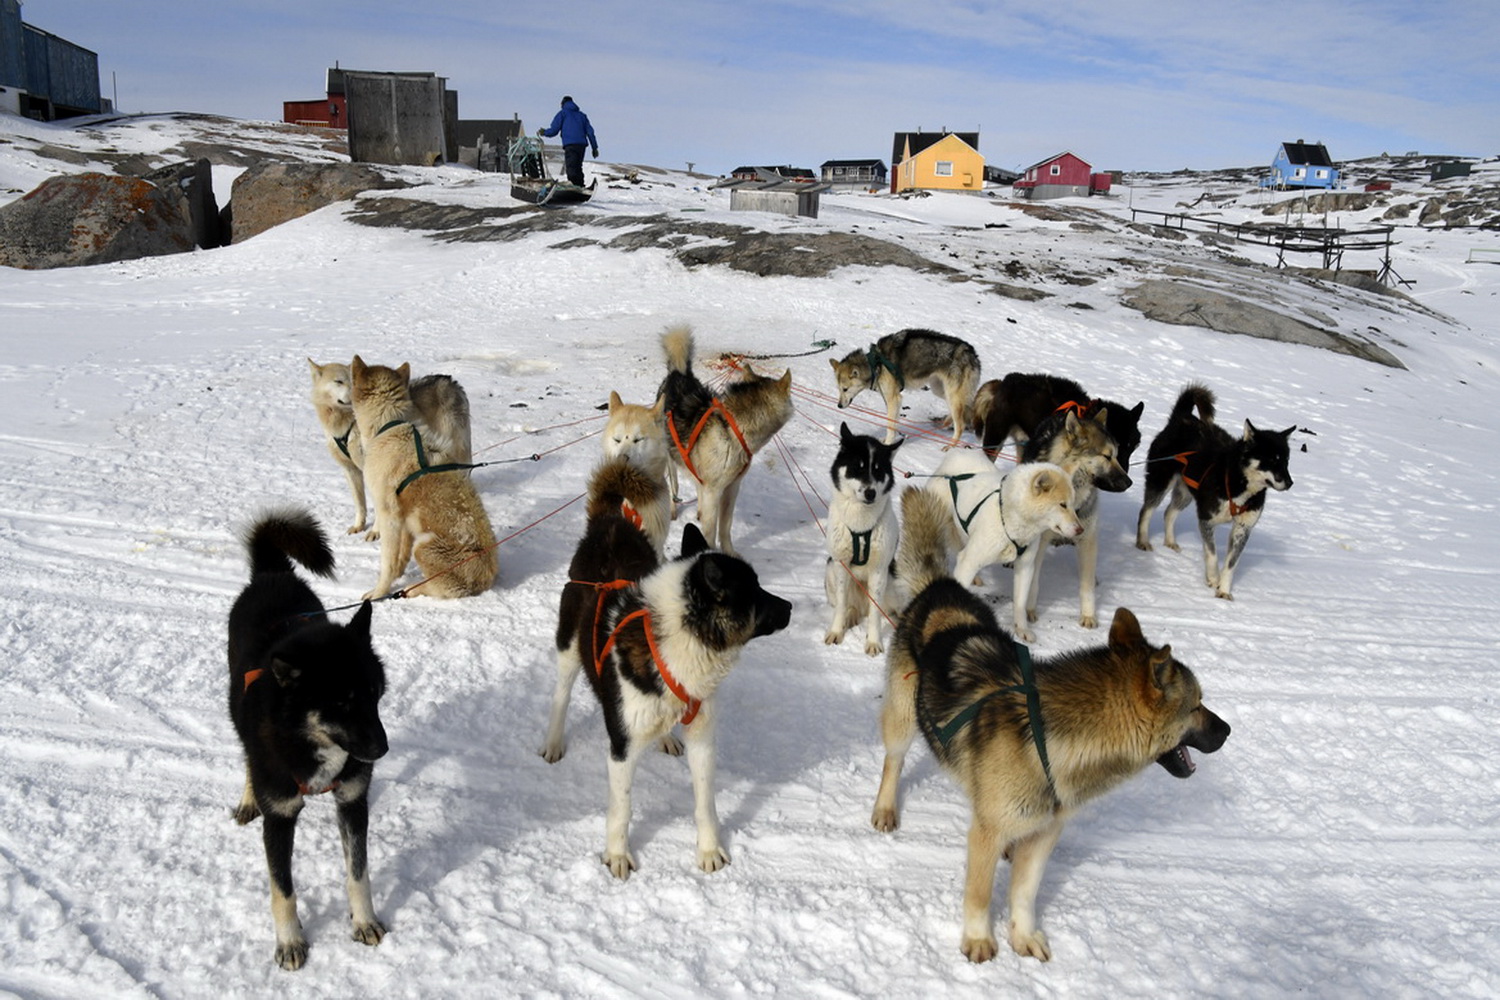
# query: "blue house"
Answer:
x=1302 y=165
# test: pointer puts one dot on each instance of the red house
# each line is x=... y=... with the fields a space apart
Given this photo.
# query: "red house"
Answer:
x=1060 y=176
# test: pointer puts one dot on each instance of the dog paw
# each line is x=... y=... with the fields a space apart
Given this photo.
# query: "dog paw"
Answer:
x=371 y=933
x=874 y=647
x=1143 y=545
x=1173 y=546
x=832 y=638
x=292 y=955
x=246 y=813
x=619 y=865
x=355 y=529
x=1024 y=634
x=373 y=535
x=1030 y=944
x=979 y=949
x=885 y=820
x=670 y=745
x=1224 y=594
x=553 y=752
x=1031 y=614
x=713 y=859
x=1088 y=621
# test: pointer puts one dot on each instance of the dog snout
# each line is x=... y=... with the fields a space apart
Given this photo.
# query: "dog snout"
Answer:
x=870 y=494
x=371 y=744
x=772 y=613
x=1209 y=734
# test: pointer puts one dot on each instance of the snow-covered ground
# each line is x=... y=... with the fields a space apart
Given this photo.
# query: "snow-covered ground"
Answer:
x=1343 y=843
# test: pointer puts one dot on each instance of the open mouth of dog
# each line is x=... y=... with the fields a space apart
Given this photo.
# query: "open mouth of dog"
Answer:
x=1178 y=761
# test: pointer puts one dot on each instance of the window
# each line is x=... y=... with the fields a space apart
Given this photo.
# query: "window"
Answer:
x=1056 y=170
x=1300 y=172
x=944 y=168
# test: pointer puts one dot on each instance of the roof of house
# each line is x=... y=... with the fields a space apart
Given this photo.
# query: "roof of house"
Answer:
x=923 y=140
x=854 y=163
x=1307 y=154
x=1058 y=156
x=782 y=171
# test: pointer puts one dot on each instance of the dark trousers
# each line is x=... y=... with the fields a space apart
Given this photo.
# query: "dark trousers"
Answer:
x=573 y=162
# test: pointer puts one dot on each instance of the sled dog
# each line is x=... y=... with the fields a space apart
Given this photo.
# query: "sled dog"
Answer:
x=715 y=437
x=639 y=434
x=440 y=400
x=304 y=698
x=1000 y=517
x=1225 y=476
x=1087 y=453
x=655 y=642
x=862 y=535
x=1028 y=743
x=423 y=508
x=1012 y=407
x=919 y=358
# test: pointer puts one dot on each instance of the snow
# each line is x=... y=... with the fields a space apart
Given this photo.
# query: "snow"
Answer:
x=1342 y=843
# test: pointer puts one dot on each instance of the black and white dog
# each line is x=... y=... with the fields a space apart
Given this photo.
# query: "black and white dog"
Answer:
x=655 y=642
x=304 y=696
x=862 y=538
x=1225 y=476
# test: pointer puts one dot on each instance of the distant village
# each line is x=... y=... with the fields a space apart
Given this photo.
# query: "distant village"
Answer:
x=412 y=119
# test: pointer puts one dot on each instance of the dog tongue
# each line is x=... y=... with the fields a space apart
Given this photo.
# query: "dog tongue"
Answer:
x=1187 y=758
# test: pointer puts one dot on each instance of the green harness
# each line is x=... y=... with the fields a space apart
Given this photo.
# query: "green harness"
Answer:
x=945 y=733
x=877 y=361
x=953 y=482
x=861 y=545
x=423 y=467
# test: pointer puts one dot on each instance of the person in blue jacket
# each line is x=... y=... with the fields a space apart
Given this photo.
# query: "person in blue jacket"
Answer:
x=576 y=133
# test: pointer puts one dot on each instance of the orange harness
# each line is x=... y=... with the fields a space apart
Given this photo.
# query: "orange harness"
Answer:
x=1235 y=510
x=644 y=614
x=686 y=451
x=251 y=676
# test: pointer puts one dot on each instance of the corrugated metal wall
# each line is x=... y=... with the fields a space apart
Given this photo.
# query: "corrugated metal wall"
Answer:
x=12 y=64
x=68 y=74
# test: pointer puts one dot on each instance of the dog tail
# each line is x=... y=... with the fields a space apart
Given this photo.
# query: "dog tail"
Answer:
x=1195 y=394
x=280 y=536
x=677 y=343
x=926 y=532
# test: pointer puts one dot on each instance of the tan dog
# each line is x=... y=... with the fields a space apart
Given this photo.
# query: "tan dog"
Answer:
x=639 y=435
x=433 y=515
x=717 y=436
x=1027 y=744
x=440 y=400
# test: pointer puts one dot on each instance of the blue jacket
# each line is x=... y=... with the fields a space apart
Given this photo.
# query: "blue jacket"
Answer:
x=574 y=126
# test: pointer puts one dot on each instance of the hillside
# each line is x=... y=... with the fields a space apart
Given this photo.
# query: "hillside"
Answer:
x=1342 y=843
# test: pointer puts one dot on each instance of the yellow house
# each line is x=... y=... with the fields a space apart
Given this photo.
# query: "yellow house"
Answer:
x=937 y=161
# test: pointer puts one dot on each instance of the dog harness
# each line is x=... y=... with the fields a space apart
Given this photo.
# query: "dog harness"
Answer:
x=861 y=546
x=1235 y=510
x=946 y=732
x=423 y=468
x=251 y=676
x=876 y=361
x=343 y=442
x=953 y=482
x=686 y=451
x=644 y=614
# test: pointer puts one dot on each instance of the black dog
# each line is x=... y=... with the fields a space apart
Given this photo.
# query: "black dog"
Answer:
x=304 y=697
x=1018 y=403
x=1226 y=476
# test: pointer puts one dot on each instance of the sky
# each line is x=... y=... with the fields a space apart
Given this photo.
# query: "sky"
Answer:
x=1127 y=85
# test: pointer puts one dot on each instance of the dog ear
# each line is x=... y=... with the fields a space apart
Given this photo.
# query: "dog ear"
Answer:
x=1249 y=431
x=1288 y=432
x=1102 y=417
x=845 y=434
x=1070 y=422
x=615 y=402
x=404 y=371
x=360 y=623
x=835 y=364
x=1138 y=409
x=285 y=673
x=785 y=382
x=693 y=541
x=1163 y=668
x=659 y=408
x=891 y=448
x=1125 y=631
x=314 y=366
x=357 y=366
